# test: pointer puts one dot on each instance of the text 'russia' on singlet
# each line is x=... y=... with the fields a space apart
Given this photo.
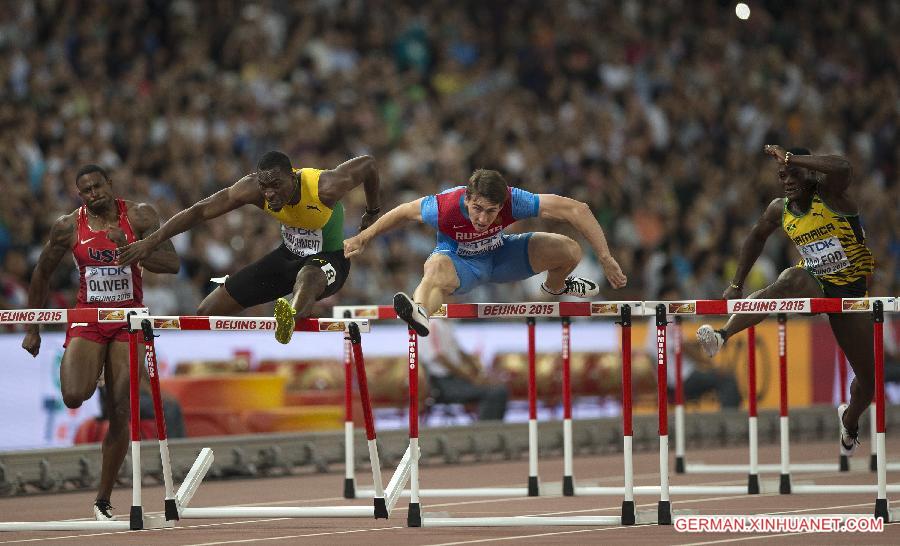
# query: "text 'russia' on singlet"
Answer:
x=310 y=227
x=832 y=245
x=103 y=283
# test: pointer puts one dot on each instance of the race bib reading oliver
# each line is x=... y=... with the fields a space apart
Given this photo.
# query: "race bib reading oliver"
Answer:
x=109 y=284
x=302 y=242
x=824 y=257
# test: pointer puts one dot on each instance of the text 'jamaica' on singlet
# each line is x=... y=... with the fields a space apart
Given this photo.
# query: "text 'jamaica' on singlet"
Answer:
x=309 y=227
x=832 y=245
x=447 y=213
x=102 y=282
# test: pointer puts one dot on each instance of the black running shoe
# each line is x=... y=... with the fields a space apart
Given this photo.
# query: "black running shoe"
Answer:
x=412 y=313
x=103 y=510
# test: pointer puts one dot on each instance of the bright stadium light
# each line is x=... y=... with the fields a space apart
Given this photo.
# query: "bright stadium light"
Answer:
x=742 y=11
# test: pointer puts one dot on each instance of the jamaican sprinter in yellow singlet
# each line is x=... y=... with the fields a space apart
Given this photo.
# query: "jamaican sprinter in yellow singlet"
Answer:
x=309 y=264
x=820 y=214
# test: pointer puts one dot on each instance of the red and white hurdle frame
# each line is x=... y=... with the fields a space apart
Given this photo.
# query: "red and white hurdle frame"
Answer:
x=352 y=328
x=137 y=519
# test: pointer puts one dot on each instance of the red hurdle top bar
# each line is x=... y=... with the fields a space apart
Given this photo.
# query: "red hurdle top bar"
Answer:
x=90 y=315
x=245 y=324
x=614 y=308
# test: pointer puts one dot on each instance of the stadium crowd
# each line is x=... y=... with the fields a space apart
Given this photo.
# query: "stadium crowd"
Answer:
x=654 y=113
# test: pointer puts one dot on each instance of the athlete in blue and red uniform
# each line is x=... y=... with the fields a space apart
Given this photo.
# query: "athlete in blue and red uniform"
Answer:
x=93 y=233
x=472 y=248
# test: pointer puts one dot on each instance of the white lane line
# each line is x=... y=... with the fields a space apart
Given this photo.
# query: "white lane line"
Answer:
x=288 y=537
x=521 y=537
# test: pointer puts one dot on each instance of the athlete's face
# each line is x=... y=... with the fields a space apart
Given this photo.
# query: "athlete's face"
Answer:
x=95 y=192
x=796 y=181
x=482 y=212
x=277 y=187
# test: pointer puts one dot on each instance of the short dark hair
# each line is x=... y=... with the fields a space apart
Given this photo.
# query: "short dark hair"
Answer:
x=799 y=151
x=91 y=168
x=274 y=160
x=489 y=184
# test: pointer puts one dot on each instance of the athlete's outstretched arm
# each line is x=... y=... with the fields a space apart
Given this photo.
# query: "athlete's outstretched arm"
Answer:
x=393 y=218
x=245 y=191
x=753 y=246
x=62 y=237
x=837 y=170
x=556 y=207
x=334 y=184
x=145 y=220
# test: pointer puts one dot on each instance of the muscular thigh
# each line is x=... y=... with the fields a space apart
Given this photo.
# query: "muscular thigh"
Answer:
x=549 y=250
x=796 y=282
x=118 y=373
x=81 y=365
x=450 y=272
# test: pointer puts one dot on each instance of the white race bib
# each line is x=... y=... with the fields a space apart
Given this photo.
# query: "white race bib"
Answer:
x=302 y=242
x=473 y=248
x=108 y=284
x=824 y=257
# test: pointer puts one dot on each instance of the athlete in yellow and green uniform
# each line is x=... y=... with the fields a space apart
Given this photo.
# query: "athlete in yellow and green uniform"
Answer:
x=820 y=215
x=309 y=264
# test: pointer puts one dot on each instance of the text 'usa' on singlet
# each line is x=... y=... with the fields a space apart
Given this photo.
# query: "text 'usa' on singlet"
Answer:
x=447 y=213
x=102 y=283
x=310 y=227
x=832 y=245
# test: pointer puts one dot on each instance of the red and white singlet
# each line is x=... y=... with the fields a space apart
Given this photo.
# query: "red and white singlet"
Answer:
x=102 y=283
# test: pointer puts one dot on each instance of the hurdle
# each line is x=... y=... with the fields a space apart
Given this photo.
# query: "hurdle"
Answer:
x=841 y=359
x=565 y=311
x=785 y=467
x=137 y=520
x=875 y=306
x=380 y=508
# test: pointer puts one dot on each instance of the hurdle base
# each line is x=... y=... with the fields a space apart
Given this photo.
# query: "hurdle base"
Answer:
x=136 y=518
x=784 y=485
x=171 y=510
x=844 y=464
x=664 y=513
x=753 y=484
x=628 y=515
x=349 y=488
x=533 y=486
x=381 y=511
x=414 y=515
x=881 y=510
x=679 y=465
x=568 y=486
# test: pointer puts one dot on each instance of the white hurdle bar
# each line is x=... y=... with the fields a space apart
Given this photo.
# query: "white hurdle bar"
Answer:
x=137 y=520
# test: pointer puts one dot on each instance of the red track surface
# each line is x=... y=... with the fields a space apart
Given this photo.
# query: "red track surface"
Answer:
x=312 y=490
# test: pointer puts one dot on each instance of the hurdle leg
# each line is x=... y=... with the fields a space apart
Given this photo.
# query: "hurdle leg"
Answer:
x=356 y=343
x=414 y=513
x=136 y=515
x=873 y=433
x=753 y=425
x=881 y=502
x=533 y=487
x=568 y=483
x=679 y=401
x=349 y=455
x=784 y=486
x=628 y=513
x=664 y=512
x=171 y=508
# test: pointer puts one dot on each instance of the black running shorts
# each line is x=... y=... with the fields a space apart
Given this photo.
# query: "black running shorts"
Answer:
x=274 y=275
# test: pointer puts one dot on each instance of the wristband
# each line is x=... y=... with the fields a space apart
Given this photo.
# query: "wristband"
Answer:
x=735 y=286
x=787 y=157
x=374 y=211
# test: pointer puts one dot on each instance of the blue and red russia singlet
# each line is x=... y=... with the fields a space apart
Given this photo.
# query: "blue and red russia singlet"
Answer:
x=102 y=282
x=447 y=213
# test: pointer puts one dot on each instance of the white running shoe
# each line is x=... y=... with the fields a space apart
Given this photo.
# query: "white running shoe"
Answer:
x=576 y=286
x=711 y=340
x=849 y=440
x=411 y=312
x=103 y=510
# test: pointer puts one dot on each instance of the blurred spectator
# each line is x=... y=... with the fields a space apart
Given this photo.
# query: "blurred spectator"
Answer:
x=653 y=113
x=457 y=377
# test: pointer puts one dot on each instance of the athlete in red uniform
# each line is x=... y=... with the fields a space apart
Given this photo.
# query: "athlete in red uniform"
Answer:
x=93 y=233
